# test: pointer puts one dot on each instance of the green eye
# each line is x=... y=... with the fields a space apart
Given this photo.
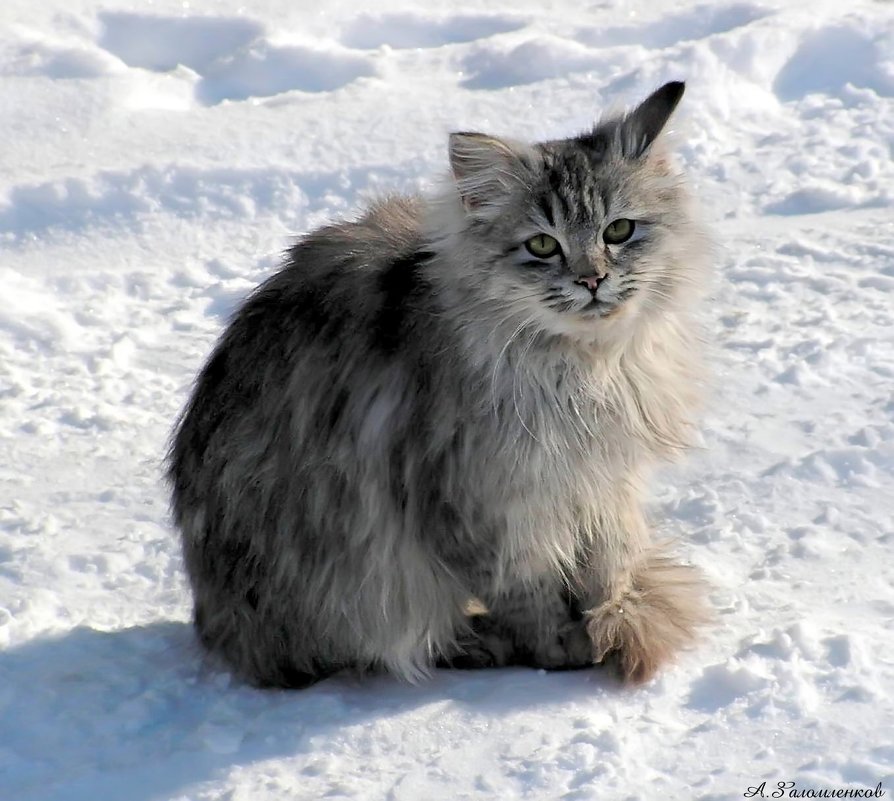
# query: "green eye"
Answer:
x=618 y=231
x=542 y=246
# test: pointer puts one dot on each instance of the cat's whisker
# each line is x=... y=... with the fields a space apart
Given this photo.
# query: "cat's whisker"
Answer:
x=515 y=381
x=502 y=352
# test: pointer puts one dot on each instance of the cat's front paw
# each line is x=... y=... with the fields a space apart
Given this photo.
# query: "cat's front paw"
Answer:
x=645 y=623
x=484 y=645
x=569 y=649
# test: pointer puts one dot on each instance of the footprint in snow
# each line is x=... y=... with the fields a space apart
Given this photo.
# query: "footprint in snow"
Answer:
x=695 y=23
x=859 y=62
x=231 y=55
x=493 y=66
x=161 y=44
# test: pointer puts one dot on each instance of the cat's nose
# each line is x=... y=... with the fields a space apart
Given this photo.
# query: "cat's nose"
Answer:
x=591 y=282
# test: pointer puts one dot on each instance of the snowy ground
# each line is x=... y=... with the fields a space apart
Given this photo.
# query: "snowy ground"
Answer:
x=156 y=157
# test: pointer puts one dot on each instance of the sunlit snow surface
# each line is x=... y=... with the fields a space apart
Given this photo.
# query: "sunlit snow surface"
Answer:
x=156 y=158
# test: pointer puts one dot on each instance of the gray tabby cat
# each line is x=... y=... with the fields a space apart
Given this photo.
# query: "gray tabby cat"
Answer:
x=456 y=399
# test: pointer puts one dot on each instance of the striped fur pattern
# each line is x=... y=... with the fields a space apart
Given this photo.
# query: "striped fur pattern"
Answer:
x=415 y=413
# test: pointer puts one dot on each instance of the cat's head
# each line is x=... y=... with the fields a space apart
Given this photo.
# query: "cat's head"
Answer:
x=585 y=235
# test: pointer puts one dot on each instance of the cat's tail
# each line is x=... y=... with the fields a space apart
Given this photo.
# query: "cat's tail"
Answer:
x=650 y=616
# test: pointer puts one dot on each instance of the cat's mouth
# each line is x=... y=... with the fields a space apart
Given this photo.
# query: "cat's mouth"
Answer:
x=600 y=309
x=598 y=305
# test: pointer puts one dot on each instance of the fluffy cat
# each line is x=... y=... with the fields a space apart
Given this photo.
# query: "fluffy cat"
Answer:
x=456 y=399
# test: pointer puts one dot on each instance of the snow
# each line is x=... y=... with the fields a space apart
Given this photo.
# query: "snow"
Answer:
x=155 y=160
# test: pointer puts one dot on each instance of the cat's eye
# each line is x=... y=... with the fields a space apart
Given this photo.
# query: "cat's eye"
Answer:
x=618 y=231
x=543 y=246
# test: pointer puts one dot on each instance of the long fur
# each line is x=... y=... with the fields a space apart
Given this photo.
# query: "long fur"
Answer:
x=410 y=415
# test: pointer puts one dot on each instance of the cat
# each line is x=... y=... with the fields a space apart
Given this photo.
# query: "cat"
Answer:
x=424 y=440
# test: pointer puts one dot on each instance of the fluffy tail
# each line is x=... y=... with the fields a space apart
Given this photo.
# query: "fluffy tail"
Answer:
x=649 y=617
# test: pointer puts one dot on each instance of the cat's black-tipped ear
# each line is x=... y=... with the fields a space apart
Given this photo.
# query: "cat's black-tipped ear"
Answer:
x=641 y=127
x=485 y=168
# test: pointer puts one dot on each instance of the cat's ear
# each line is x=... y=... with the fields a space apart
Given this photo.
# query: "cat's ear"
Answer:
x=485 y=168
x=641 y=127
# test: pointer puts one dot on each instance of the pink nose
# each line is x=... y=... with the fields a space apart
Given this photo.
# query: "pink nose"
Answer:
x=591 y=282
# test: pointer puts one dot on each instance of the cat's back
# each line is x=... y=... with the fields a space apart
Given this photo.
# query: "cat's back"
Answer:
x=341 y=288
x=326 y=331
x=337 y=278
